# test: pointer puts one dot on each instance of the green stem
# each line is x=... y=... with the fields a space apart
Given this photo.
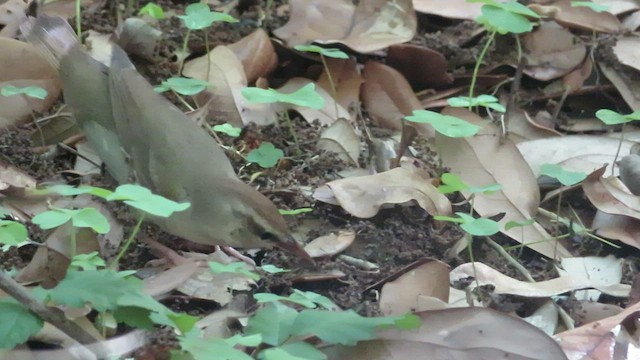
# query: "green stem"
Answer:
x=476 y=69
x=73 y=243
x=206 y=45
x=291 y=129
x=127 y=243
x=618 y=150
x=333 y=84
x=184 y=51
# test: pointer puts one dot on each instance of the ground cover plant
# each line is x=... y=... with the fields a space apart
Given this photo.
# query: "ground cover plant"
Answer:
x=464 y=175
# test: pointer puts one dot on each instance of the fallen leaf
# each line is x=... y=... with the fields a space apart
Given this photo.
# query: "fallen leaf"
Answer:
x=452 y=9
x=329 y=245
x=341 y=138
x=257 y=55
x=551 y=53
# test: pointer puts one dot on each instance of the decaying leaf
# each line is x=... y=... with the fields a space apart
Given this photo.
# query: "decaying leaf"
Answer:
x=331 y=244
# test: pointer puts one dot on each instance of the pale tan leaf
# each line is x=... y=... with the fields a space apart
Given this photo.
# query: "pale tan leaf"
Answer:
x=551 y=53
x=584 y=18
x=405 y=293
x=363 y=196
x=347 y=81
x=453 y=9
x=341 y=138
x=21 y=65
x=256 y=53
x=329 y=245
x=627 y=49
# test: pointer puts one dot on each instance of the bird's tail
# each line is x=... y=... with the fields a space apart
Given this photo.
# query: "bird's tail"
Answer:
x=51 y=35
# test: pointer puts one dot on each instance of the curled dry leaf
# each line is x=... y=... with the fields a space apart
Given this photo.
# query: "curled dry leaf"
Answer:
x=363 y=196
x=169 y=279
x=503 y=284
x=21 y=65
x=604 y=339
x=461 y=334
x=584 y=18
x=257 y=55
x=329 y=245
x=138 y=37
x=588 y=152
x=627 y=85
x=626 y=50
x=388 y=98
x=341 y=138
x=227 y=79
x=373 y=25
x=452 y=9
x=486 y=159
x=407 y=293
x=552 y=53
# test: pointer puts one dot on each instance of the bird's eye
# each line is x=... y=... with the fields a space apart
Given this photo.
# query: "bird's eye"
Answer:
x=267 y=236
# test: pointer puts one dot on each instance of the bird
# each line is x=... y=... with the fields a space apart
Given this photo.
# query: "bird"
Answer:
x=629 y=167
x=141 y=136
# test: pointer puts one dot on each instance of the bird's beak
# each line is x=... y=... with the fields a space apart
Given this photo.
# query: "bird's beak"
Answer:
x=291 y=245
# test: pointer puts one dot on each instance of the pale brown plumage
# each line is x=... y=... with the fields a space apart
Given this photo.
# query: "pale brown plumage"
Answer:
x=142 y=136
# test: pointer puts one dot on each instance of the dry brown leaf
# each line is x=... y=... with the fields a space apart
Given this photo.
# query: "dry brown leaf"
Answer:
x=617 y=227
x=453 y=9
x=588 y=152
x=523 y=128
x=551 y=53
x=626 y=49
x=329 y=245
x=628 y=86
x=424 y=68
x=363 y=196
x=170 y=279
x=341 y=138
x=403 y=294
x=584 y=18
x=461 y=334
x=373 y=25
x=609 y=196
x=347 y=80
x=227 y=79
x=388 y=98
x=597 y=340
x=503 y=284
x=487 y=159
x=257 y=55
x=13 y=179
x=21 y=65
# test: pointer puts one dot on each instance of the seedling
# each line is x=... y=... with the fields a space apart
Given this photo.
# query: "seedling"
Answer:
x=30 y=91
x=305 y=96
x=452 y=183
x=501 y=18
x=13 y=233
x=565 y=177
x=199 y=16
x=90 y=261
x=153 y=10
x=236 y=267
x=610 y=117
x=487 y=101
x=182 y=86
x=447 y=125
x=324 y=53
x=266 y=155
x=295 y=211
x=227 y=129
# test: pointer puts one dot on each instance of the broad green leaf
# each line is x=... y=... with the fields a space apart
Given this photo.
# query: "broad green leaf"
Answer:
x=208 y=349
x=295 y=211
x=52 y=218
x=479 y=226
x=293 y=351
x=141 y=198
x=91 y=218
x=514 y=224
x=450 y=126
x=199 y=16
x=236 y=267
x=305 y=96
x=487 y=101
x=593 y=6
x=101 y=289
x=90 y=261
x=338 y=327
x=273 y=322
x=31 y=91
x=328 y=52
x=182 y=85
x=611 y=117
x=228 y=129
x=272 y=269
x=451 y=183
x=153 y=10
x=12 y=233
x=266 y=155
x=17 y=323
x=250 y=340
x=566 y=177
x=68 y=190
